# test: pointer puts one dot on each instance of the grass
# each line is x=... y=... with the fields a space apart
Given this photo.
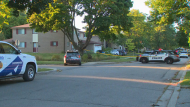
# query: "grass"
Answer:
x=50 y=62
x=57 y=58
x=186 y=81
x=120 y=60
x=44 y=69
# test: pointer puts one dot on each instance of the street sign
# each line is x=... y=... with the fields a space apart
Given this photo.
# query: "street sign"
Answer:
x=17 y=42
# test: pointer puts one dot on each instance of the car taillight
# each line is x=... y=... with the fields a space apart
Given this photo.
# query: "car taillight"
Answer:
x=140 y=55
x=79 y=56
x=65 y=56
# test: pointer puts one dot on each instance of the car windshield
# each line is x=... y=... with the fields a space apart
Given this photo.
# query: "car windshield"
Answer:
x=184 y=52
x=72 y=53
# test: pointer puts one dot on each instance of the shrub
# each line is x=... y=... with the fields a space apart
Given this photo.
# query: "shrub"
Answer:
x=107 y=50
x=85 y=58
x=38 y=58
x=56 y=58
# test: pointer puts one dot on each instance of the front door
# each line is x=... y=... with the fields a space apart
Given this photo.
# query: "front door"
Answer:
x=35 y=47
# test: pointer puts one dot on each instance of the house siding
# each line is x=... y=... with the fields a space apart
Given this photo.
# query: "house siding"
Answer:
x=45 y=39
x=24 y=38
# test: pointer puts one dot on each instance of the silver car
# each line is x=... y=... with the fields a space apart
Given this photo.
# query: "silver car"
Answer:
x=114 y=52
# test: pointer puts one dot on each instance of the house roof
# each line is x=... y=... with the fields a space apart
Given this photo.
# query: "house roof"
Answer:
x=91 y=42
x=9 y=40
x=21 y=26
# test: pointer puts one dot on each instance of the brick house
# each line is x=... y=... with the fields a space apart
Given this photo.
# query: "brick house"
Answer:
x=49 y=42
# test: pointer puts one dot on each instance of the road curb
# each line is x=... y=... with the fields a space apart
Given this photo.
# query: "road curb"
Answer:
x=174 y=97
x=170 y=96
x=54 y=69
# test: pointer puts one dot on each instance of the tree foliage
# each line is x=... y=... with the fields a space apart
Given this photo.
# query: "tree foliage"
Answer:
x=13 y=21
x=166 y=12
x=99 y=15
x=4 y=13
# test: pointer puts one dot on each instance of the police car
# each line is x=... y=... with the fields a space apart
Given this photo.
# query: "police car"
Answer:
x=159 y=56
x=15 y=64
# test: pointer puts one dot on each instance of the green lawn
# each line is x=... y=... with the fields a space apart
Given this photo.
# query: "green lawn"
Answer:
x=57 y=58
x=44 y=69
x=186 y=81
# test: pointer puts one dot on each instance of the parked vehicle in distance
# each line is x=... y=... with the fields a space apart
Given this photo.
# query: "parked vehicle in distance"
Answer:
x=13 y=63
x=183 y=54
x=125 y=53
x=72 y=57
x=100 y=51
x=114 y=52
x=159 y=56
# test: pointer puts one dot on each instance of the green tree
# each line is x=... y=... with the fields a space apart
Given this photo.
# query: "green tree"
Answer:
x=13 y=21
x=99 y=17
x=182 y=38
x=166 y=12
x=137 y=32
x=4 y=13
x=130 y=45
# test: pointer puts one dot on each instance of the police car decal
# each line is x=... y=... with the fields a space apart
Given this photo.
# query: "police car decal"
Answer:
x=14 y=67
x=1 y=58
x=156 y=57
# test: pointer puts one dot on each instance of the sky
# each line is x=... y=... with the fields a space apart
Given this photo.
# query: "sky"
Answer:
x=137 y=4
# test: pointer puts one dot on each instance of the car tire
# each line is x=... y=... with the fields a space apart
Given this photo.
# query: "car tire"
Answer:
x=65 y=64
x=144 y=60
x=80 y=64
x=169 y=61
x=29 y=73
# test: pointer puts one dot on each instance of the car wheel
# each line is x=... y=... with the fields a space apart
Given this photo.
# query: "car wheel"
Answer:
x=65 y=64
x=144 y=60
x=80 y=64
x=169 y=61
x=29 y=73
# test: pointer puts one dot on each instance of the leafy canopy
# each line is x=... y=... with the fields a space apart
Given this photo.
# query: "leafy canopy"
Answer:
x=170 y=11
x=99 y=15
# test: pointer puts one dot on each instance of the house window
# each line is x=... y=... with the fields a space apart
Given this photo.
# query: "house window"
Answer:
x=22 y=45
x=84 y=35
x=34 y=32
x=21 y=31
x=68 y=44
x=54 y=31
x=54 y=43
x=78 y=34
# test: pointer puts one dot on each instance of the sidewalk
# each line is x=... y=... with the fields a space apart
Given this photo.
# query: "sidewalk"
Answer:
x=176 y=96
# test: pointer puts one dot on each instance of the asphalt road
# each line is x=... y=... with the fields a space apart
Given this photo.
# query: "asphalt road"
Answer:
x=92 y=85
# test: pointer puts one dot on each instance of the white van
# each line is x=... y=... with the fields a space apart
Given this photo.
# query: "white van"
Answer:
x=15 y=64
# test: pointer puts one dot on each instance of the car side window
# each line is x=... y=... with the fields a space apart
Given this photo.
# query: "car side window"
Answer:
x=1 y=49
x=8 y=49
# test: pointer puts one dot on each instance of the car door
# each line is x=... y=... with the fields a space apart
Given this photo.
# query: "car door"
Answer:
x=14 y=62
x=152 y=56
x=2 y=61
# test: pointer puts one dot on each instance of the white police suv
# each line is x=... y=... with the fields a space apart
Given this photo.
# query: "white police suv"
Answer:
x=160 y=56
x=15 y=64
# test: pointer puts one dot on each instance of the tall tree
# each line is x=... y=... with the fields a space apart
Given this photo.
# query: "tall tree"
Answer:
x=13 y=21
x=100 y=15
x=137 y=33
x=182 y=38
x=170 y=11
x=4 y=13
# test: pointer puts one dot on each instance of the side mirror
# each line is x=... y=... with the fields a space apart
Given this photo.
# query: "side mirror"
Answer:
x=19 y=51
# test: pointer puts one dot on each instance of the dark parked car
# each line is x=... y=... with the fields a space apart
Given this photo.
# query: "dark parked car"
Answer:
x=72 y=57
x=100 y=51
